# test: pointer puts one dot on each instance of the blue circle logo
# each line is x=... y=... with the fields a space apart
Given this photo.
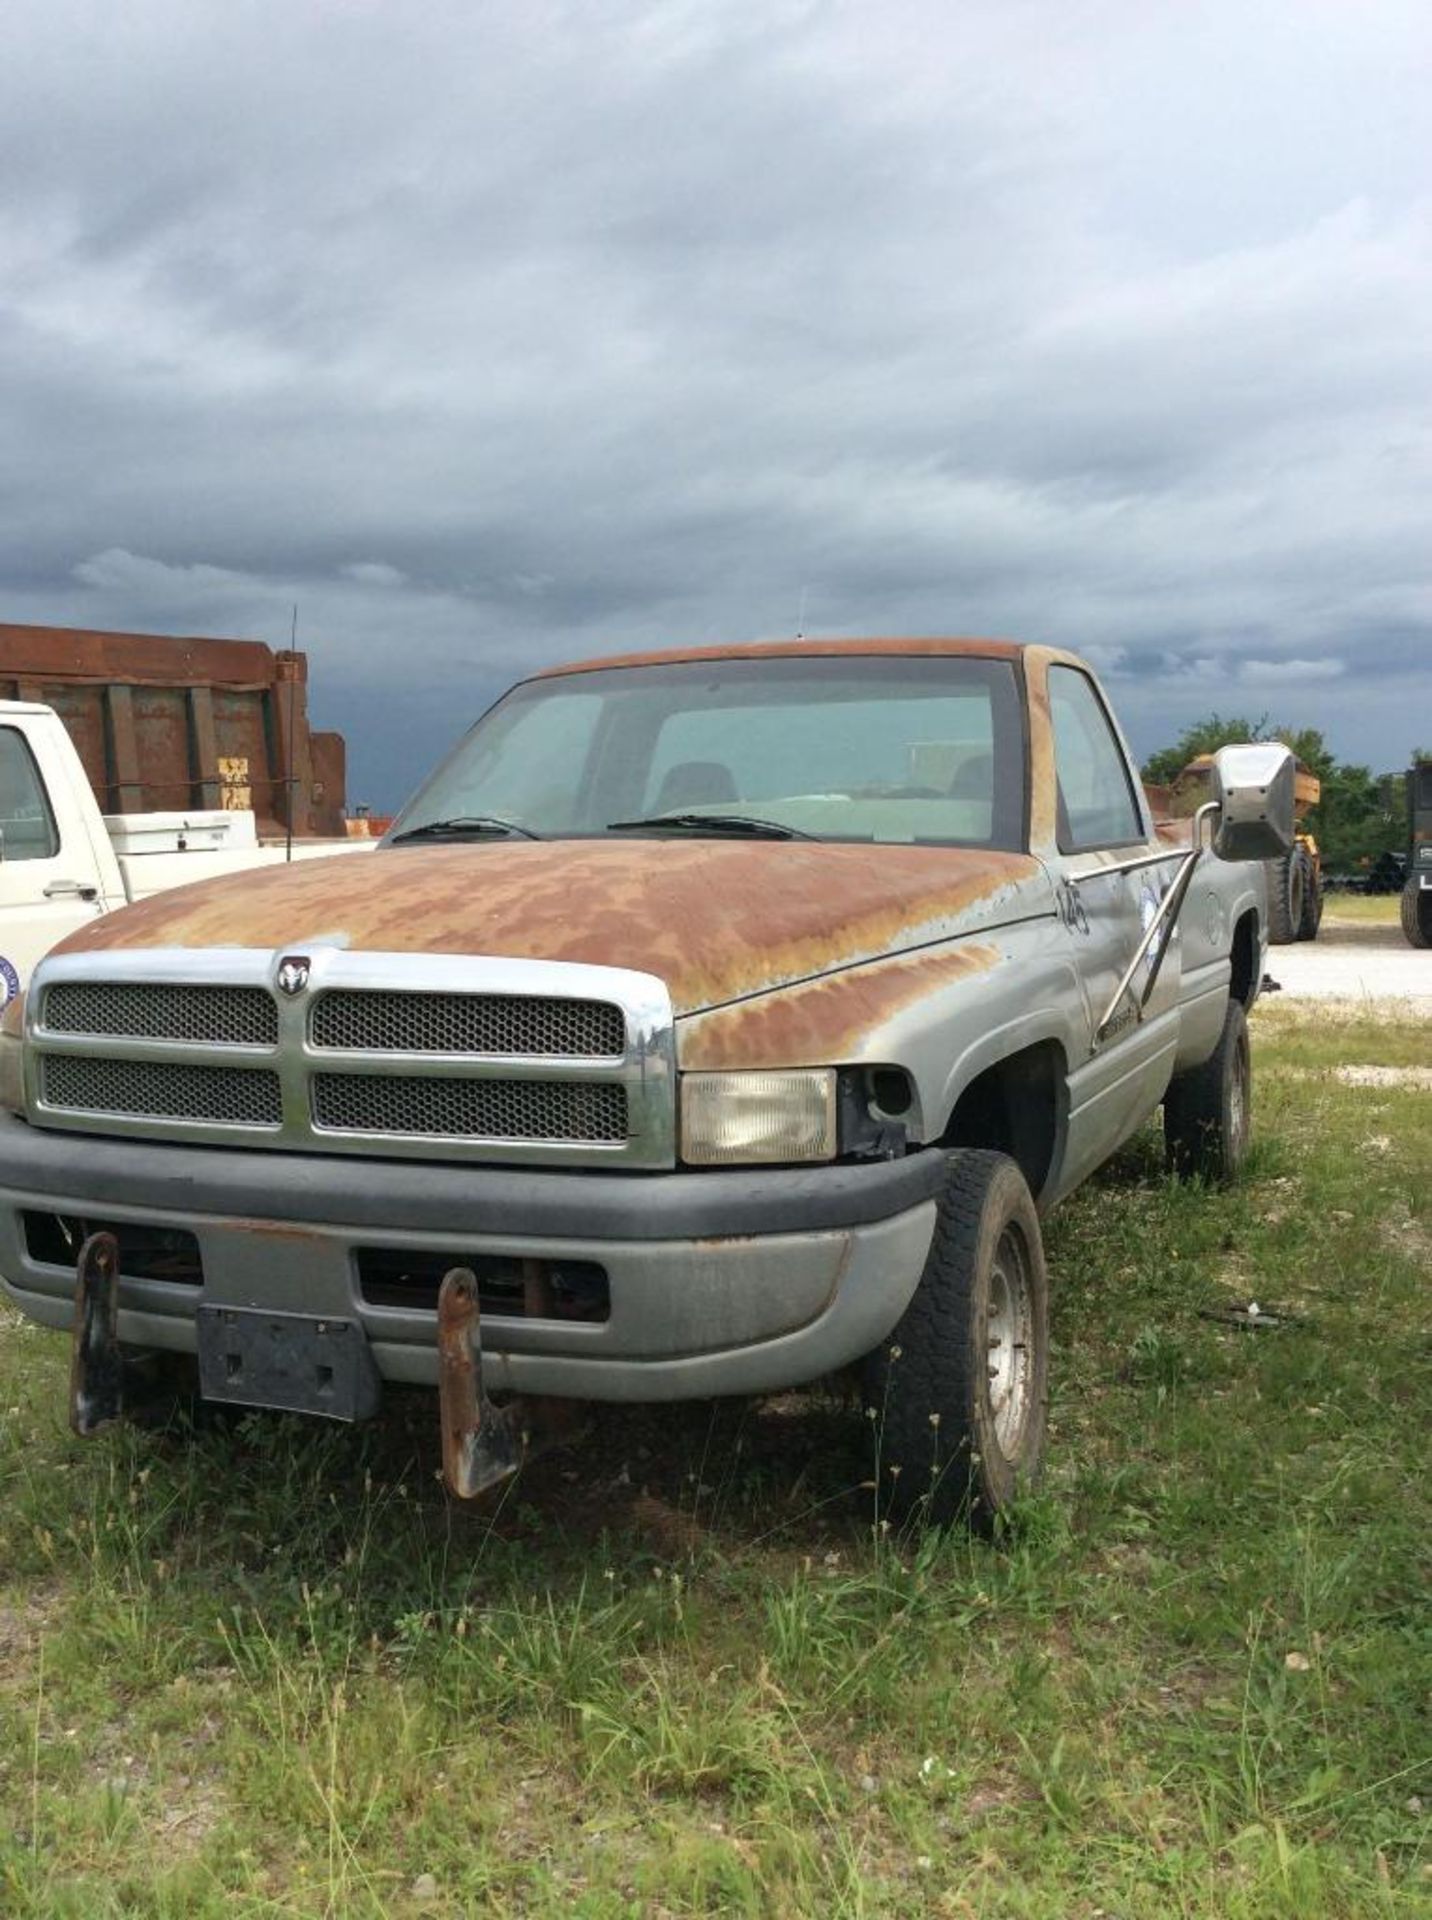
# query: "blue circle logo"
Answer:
x=9 y=982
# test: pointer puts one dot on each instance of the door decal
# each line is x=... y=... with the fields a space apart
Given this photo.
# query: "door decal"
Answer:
x=1149 y=900
x=1071 y=908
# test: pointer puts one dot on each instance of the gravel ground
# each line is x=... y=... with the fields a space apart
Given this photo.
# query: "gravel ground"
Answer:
x=1352 y=962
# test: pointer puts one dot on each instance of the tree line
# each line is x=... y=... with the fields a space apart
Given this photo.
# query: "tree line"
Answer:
x=1360 y=814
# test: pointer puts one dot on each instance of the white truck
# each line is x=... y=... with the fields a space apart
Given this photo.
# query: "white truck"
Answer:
x=63 y=862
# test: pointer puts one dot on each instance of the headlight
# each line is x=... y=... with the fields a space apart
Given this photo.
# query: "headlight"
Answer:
x=739 y=1118
x=12 y=1055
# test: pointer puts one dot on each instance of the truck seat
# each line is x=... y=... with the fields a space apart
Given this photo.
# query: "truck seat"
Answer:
x=695 y=783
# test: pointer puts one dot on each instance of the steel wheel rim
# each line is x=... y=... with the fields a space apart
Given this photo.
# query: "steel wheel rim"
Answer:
x=1010 y=1328
x=1238 y=1100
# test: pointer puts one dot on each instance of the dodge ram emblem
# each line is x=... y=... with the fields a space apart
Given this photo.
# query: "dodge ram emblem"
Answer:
x=293 y=973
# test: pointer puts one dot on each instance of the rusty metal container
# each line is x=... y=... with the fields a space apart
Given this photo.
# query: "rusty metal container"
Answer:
x=162 y=724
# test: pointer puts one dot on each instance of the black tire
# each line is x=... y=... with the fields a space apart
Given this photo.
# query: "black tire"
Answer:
x=946 y=1446
x=1311 y=917
x=1286 y=887
x=1417 y=914
x=1208 y=1110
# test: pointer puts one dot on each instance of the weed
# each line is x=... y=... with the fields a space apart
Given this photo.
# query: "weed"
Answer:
x=262 y=1667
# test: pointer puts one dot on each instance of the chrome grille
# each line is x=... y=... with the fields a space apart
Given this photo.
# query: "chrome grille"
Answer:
x=483 y=1109
x=512 y=1024
x=421 y=1056
x=162 y=1090
x=209 y=1016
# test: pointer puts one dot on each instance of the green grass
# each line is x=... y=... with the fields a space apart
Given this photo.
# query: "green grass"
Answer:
x=681 y=1668
x=1361 y=909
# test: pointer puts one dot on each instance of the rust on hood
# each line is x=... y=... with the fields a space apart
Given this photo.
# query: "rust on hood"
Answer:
x=717 y=920
x=827 y=1020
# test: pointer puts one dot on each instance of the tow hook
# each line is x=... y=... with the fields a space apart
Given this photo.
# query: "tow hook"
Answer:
x=483 y=1443
x=96 y=1364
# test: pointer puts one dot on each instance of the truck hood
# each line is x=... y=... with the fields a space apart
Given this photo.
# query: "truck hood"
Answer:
x=717 y=920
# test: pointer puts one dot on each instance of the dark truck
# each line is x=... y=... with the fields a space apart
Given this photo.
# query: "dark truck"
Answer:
x=1417 y=888
x=709 y=1023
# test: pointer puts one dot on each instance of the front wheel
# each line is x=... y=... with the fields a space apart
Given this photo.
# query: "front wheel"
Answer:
x=1208 y=1110
x=958 y=1392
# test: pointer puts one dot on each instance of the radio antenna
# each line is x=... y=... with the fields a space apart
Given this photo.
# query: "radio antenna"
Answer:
x=292 y=782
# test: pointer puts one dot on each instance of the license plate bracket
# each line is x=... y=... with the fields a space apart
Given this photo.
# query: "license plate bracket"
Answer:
x=294 y=1362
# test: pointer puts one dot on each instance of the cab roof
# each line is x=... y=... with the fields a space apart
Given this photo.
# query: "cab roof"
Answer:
x=787 y=649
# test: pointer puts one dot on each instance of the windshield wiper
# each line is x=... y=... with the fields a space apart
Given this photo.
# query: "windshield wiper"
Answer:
x=466 y=826
x=729 y=823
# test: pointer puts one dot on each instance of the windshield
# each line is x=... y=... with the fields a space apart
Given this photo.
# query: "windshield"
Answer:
x=879 y=748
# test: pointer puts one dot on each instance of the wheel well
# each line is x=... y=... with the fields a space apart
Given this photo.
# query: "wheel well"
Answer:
x=1243 y=986
x=1015 y=1107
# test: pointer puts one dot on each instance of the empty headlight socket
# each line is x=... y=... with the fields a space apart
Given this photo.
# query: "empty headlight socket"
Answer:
x=871 y=1107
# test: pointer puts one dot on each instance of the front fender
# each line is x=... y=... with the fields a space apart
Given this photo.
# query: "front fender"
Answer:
x=943 y=1013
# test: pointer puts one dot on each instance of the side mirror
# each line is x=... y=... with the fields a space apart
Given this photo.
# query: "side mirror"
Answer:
x=1253 y=787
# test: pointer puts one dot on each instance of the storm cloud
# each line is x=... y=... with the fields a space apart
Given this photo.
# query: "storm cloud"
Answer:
x=496 y=335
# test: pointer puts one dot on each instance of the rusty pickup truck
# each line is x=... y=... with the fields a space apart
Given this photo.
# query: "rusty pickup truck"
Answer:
x=709 y=1023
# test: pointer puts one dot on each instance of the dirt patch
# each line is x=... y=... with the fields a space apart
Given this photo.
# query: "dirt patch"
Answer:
x=1386 y=1079
x=177 y=1812
x=1400 y=1233
x=24 y=1619
x=1341 y=1009
x=1354 y=1076
x=1337 y=932
x=184 y=1824
x=1361 y=965
x=177 y=1802
x=1284 y=1196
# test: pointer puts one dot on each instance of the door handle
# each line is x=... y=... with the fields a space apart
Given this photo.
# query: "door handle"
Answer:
x=79 y=889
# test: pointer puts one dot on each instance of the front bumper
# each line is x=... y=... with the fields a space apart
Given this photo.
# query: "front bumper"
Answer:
x=725 y=1282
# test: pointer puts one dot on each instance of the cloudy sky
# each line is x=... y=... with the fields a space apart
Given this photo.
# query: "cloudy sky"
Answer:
x=493 y=334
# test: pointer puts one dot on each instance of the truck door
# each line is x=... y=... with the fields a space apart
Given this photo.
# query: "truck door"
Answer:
x=1109 y=890
x=47 y=882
